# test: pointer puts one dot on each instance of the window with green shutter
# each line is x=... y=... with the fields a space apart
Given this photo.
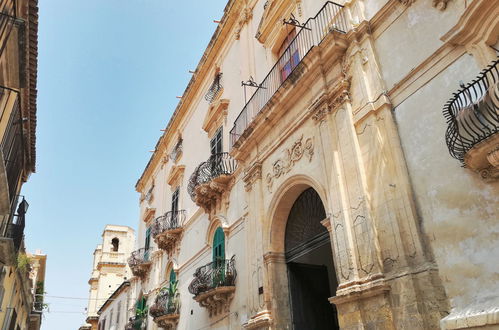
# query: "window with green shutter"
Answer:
x=219 y=246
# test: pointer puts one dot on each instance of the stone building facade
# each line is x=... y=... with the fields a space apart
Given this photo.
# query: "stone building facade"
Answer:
x=18 y=80
x=109 y=269
x=320 y=192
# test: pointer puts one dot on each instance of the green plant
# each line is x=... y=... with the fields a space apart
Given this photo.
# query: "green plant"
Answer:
x=23 y=262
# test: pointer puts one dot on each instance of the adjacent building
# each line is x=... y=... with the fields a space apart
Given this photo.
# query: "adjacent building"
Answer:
x=113 y=313
x=18 y=79
x=349 y=181
x=38 y=263
x=110 y=269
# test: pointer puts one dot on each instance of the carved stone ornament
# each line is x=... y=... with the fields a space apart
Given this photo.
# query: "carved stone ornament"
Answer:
x=292 y=155
x=407 y=2
x=168 y=321
x=253 y=174
x=327 y=103
x=217 y=300
x=440 y=4
x=169 y=239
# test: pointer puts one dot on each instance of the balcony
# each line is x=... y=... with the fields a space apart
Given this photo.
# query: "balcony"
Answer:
x=167 y=230
x=473 y=123
x=11 y=150
x=136 y=323
x=139 y=262
x=166 y=309
x=177 y=151
x=331 y=18
x=213 y=285
x=211 y=179
x=13 y=232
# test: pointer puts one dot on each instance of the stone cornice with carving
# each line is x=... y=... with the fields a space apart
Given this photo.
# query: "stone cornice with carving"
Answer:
x=149 y=214
x=271 y=22
x=292 y=154
x=439 y=4
x=253 y=174
x=327 y=103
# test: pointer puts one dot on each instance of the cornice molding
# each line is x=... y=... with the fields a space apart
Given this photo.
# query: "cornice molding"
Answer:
x=216 y=113
x=176 y=175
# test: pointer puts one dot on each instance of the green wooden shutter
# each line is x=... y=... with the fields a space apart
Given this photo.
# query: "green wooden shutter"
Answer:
x=219 y=245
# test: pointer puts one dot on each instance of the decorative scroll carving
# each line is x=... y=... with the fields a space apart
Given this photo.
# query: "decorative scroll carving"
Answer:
x=326 y=103
x=407 y=2
x=440 y=4
x=293 y=154
x=253 y=174
x=245 y=17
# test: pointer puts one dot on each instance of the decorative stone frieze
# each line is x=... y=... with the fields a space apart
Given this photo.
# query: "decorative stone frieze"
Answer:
x=253 y=174
x=292 y=155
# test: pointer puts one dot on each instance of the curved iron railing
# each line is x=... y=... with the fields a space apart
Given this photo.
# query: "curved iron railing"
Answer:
x=139 y=257
x=136 y=323
x=331 y=17
x=165 y=304
x=217 y=165
x=170 y=220
x=213 y=275
x=473 y=113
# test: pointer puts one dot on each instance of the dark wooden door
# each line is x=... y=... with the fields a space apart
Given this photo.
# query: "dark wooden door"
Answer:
x=309 y=290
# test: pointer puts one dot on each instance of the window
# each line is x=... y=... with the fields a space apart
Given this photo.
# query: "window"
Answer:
x=116 y=244
x=290 y=55
x=175 y=201
x=216 y=142
x=219 y=246
x=147 y=244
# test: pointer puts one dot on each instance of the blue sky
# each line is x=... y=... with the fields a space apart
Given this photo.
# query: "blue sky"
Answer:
x=109 y=71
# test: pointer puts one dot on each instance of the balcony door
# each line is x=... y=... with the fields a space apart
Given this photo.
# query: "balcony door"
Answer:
x=216 y=148
x=147 y=244
x=290 y=55
x=218 y=257
x=174 y=209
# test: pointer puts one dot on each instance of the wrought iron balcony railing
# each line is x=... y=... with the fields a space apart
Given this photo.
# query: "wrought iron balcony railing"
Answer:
x=17 y=222
x=330 y=18
x=473 y=113
x=139 y=262
x=177 y=151
x=136 y=323
x=218 y=165
x=220 y=273
x=165 y=304
x=169 y=221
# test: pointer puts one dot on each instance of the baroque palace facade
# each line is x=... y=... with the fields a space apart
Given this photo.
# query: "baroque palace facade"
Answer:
x=349 y=182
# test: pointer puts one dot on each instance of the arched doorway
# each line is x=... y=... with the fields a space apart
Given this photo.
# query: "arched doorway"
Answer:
x=309 y=260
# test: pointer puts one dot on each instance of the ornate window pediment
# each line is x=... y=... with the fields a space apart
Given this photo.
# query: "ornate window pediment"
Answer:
x=216 y=114
x=176 y=174
x=270 y=24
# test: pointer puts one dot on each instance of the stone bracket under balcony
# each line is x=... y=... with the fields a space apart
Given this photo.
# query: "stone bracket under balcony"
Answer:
x=216 y=300
x=208 y=194
x=168 y=321
x=168 y=239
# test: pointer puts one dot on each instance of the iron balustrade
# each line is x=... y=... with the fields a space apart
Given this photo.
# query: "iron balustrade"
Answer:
x=473 y=112
x=215 y=88
x=139 y=257
x=12 y=144
x=165 y=304
x=331 y=17
x=219 y=164
x=216 y=274
x=135 y=323
x=177 y=151
x=17 y=222
x=170 y=220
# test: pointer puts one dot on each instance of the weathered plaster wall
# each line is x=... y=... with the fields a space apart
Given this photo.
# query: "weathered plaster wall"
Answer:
x=458 y=211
